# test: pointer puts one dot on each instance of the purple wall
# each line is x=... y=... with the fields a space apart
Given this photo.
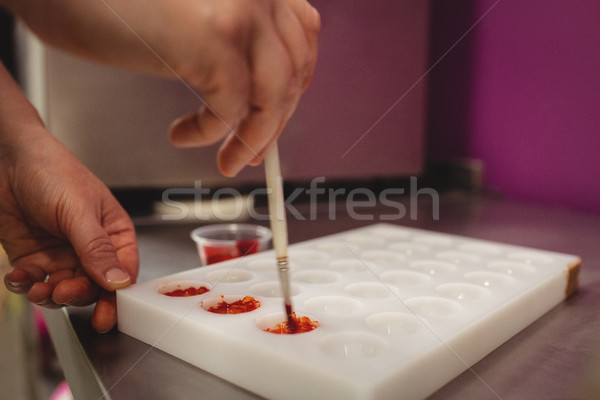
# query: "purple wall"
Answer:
x=522 y=93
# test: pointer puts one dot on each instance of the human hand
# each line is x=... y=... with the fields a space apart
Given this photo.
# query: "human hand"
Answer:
x=259 y=58
x=250 y=60
x=67 y=238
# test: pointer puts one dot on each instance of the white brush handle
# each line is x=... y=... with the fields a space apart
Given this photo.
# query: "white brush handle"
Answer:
x=276 y=201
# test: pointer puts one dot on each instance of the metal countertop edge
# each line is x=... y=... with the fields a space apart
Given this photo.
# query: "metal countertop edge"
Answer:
x=83 y=380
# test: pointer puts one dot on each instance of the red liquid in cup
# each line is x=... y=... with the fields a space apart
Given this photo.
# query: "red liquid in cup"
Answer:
x=215 y=254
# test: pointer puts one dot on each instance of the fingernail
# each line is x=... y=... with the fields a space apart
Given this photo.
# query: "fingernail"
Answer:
x=44 y=302
x=14 y=285
x=236 y=169
x=117 y=276
x=232 y=170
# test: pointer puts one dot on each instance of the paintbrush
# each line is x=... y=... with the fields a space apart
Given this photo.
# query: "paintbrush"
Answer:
x=279 y=226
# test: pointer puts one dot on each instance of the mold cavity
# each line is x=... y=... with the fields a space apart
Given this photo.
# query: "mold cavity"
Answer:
x=463 y=291
x=263 y=264
x=354 y=345
x=315 y=276
x=489 y=279
x=480 y=248
x=395 y=323
x=382 y=257
x=368 y=290
x=230 y=304
x=364 y=240
x=458 y=257
x=273 y=289
x=530 y=258
x=338 y=248
x=348 y=265
x=433 y=267
x=390 y=233
x=511 y=267
x=306 y=255
x=333 y=305
x=277 y=323
x=229 y=276
x=433 y=240
x=405 y=278
x=183 y=288
x=410 y=249
x=433 y=306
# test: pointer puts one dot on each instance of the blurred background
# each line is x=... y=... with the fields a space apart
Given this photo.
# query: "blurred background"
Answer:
x=492 y=96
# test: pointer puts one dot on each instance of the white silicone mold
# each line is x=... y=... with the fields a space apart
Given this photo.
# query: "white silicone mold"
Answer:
x=398 y=311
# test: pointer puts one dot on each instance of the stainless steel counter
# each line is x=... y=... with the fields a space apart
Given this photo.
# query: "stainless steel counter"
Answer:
x=557 y=357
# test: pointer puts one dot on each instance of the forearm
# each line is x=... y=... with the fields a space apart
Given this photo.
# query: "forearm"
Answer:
x=17 y=115
x=106 y=31
x=250 y=60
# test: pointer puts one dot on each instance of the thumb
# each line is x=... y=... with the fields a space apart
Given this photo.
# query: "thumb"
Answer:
x=98 y=256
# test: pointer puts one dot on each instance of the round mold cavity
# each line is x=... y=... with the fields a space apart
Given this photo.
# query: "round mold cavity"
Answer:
x=530 y=258
x=348 y=265
x=428 y=306
x=368 y=290
x=271 y=320
x=511 y=267
x=433 y=267
x=273 y=289
x=383 y=257
x=333 y=305
x=433 y=240
x=335 y=247
x=463 y=291
x=390 y=233
x=410 y=249
x=365 y=240
x=355 y=345
x=315 y=276
x=489 y=279
x=307 y=255
x=229 y=276
x=183 y=286
x=480 y=248
x=219 y=301
x=405 y=278
x=458 y=257
x=263 y=264
x=396 y=323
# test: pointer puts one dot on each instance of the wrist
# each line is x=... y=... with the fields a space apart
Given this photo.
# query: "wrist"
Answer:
x=19 y=120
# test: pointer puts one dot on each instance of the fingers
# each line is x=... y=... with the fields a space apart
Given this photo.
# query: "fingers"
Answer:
x=62 y=289
x=20 y=280
x=225 y=97
x=255 y=82
x=97 y=254
x=276 y=82
x=105 y=313
x=79 y=291
x=310 y=21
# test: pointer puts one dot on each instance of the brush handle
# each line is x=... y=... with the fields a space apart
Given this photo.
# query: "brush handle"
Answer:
x=279 y=227
x=276 y=201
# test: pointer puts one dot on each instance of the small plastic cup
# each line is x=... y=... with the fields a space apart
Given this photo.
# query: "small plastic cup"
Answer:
x=222 y=242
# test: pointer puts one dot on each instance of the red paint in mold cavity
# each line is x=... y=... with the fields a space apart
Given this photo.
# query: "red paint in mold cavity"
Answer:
x=244 y=305
x=300 y=325
x=191 y=291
